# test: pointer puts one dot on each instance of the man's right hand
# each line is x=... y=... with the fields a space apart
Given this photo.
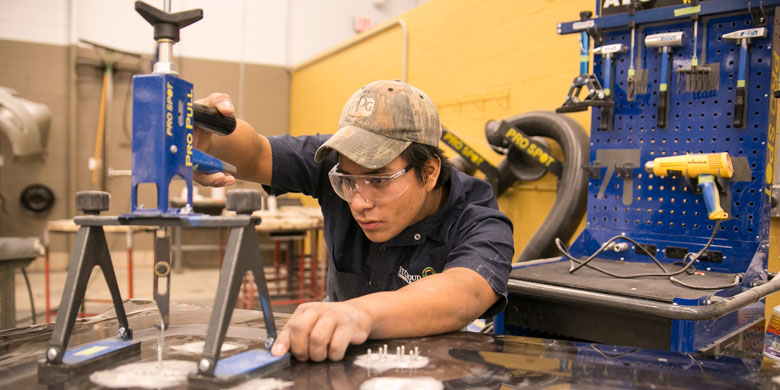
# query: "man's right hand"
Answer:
x=203 y=140
x=322 y=330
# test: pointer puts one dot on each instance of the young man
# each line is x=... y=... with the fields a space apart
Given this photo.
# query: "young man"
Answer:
x=414 y=247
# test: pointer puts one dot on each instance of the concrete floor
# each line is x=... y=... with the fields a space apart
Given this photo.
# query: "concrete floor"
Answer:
x=193 y=286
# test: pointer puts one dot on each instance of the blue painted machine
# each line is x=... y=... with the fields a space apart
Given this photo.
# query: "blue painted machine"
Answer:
x=650 y=211
x=164 y=116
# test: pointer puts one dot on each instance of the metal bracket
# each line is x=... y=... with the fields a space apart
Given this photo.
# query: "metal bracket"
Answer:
x=758 y=14
x=626 y=171
x=624 y=161
x=162 y=270
x=596 y=34
x=594 y=171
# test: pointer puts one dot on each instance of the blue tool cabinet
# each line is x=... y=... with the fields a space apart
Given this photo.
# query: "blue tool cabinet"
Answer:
x=667 y=215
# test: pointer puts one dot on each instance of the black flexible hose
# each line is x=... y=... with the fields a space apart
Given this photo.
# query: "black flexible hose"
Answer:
x=29 y=291
x=571 y=199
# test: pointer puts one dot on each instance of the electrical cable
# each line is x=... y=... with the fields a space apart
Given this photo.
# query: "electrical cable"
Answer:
x=686 y=265
x=701 y=368
x=737 y=281
x=616 y=356
x=603 y=247
x=29 y=291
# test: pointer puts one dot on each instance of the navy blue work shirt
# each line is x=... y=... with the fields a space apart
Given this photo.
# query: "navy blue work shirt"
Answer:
x=467 y=231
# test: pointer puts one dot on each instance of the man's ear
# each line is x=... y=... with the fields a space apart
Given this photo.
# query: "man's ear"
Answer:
x=432 y=169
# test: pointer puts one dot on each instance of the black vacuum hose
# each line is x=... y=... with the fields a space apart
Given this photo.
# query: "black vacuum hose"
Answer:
x=571 y=198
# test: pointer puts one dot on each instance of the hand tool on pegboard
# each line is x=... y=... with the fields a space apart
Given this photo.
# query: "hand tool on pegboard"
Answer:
x=595 y=93
x=606 y=52
x=664 y=42
x=695 y=77
x=636 y=80
x=705 y=168
x=742 y=38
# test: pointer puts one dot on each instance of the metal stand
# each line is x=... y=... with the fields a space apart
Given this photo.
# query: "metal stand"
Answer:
x=242 y=254
x=89 y=251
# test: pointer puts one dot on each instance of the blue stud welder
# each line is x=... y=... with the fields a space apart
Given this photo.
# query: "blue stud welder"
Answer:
x=163 y=118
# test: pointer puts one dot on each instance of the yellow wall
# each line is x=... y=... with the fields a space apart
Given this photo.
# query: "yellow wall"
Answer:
x=774 y=262
x=477 y=60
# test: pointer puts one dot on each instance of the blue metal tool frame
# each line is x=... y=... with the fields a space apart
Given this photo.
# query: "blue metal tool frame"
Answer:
x=163 y=121
x=162 y=138
x=667 y=211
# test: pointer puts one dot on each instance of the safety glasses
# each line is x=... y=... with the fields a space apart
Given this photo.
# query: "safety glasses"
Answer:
x=375 y=189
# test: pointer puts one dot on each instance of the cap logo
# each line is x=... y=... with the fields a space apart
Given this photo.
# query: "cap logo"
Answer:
x=362 y=107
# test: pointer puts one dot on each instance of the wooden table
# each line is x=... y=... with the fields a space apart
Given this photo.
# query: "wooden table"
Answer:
x=291 y=225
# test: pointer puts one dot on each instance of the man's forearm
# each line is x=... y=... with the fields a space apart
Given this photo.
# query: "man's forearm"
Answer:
x=436 y=304
x=249 y=151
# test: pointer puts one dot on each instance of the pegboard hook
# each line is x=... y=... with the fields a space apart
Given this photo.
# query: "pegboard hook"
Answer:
x=758 y=14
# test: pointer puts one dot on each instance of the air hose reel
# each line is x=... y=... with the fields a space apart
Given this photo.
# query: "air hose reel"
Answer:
x=528 y=158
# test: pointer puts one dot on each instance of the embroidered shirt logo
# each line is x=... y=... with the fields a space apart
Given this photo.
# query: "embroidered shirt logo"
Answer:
x=409 y=278
x=406 y=276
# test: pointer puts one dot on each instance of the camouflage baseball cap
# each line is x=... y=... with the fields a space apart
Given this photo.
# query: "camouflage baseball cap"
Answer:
x=380 y=121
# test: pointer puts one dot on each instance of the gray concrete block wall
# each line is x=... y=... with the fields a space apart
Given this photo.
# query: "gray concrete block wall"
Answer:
x=40 y=72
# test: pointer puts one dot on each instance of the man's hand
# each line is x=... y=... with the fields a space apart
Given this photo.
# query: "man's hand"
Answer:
x=203 y=140
x=321 y=330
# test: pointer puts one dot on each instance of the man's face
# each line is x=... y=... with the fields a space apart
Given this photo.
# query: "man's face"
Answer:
x=382 y=222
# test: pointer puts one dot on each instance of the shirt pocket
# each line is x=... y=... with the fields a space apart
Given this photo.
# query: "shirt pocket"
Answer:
x=345 y=285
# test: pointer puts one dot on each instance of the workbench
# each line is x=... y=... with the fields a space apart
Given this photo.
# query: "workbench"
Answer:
x=460 y=360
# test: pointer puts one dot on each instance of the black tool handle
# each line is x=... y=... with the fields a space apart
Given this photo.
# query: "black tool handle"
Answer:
x=606 y=118
x=663 y=110
x=739 y=107
x=212 y=120
x=167 y=25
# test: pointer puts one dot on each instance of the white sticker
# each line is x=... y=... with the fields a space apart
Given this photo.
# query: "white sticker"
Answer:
x=395 y=383
x=147 y=375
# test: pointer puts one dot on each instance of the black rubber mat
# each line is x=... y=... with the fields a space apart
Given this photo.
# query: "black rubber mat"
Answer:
x=656 y=287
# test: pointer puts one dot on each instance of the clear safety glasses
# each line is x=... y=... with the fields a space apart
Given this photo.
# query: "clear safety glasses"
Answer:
x=375 y=189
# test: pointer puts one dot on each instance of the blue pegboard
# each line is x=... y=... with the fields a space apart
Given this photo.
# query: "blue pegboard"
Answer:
x=664 y=211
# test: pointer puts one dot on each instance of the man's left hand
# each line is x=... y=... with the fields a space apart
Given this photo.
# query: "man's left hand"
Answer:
x=321 y=330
